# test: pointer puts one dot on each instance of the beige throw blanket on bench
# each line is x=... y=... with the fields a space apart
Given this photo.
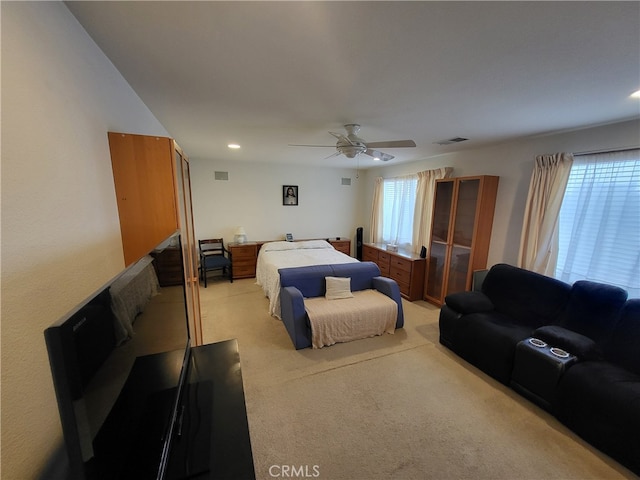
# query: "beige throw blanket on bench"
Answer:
x=366 y=314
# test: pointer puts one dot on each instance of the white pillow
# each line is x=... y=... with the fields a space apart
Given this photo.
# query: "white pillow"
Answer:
x=314 y=244
x=338 y=287
x=278 y=246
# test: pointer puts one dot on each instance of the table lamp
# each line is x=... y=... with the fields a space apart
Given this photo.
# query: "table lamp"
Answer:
x=240 y=235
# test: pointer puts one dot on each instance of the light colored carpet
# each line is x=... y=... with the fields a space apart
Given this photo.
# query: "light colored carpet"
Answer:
x=391 y=407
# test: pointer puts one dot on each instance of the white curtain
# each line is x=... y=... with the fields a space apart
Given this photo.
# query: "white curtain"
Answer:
x=423 y=212
x=600 y=221
x=539 y=240
x=375 y=232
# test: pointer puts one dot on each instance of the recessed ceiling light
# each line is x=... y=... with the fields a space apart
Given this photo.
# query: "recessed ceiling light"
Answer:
x=636 y=94
x=234 y=146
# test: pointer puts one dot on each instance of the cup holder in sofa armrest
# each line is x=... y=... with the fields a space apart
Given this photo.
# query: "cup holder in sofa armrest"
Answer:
x=558 y=352
x=568 y=341
x=469 y=302
x=536 y=342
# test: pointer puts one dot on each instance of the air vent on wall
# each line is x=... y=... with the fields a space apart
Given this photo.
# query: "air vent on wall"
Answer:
x=346 y=181
x=222 y=175
x=451 y=141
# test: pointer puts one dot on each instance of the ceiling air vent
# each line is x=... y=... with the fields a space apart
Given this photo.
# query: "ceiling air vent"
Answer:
x=451 y=141
x=221 y=175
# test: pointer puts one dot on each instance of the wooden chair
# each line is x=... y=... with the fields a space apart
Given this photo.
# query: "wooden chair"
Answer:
x=214 y=256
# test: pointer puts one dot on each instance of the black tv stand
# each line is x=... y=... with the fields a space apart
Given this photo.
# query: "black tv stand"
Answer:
x=213 y=438
x=212 y=441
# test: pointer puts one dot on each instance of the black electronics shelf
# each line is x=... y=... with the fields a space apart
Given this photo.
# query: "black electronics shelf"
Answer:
x=214 y=442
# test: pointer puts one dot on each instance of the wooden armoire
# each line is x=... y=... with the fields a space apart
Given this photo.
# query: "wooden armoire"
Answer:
x=153 y=191
x=460 y=234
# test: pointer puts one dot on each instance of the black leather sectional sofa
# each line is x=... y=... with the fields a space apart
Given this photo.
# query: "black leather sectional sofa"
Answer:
x=572 y=349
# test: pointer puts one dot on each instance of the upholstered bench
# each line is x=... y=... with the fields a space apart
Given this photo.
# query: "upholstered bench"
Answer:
x=364 y=314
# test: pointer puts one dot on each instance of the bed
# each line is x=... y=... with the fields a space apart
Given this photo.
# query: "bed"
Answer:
x=130 y=294
x=276 y=255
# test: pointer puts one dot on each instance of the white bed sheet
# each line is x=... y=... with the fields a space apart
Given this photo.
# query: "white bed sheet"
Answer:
x=276 y=255
x=130 y=294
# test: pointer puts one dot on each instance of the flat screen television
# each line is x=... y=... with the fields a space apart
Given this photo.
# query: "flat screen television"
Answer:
x=119 y=362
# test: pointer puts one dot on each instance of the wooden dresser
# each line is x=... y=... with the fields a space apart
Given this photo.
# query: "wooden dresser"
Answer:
x=243 y=259
x=406 y=268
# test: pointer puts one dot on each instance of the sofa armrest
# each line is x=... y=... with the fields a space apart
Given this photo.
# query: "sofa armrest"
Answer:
x=390 y=288
x=469 y=302
x=579 y=345
x=294 y=317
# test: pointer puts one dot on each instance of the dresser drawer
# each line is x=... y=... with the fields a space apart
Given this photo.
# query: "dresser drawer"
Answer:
x=239 y=262
x=401 y=263
x=383 y=263
x=242 y=270
x=243 y=252
x=369 y=255
x=400 y=275
x=384 y=270
x=405 y=288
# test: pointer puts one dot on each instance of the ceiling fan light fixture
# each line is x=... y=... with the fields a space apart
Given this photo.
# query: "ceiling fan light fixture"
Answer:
x=351 y=151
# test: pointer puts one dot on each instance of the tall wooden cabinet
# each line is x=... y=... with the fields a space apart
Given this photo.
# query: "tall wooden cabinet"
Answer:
x=461 y=231
x=153 y=191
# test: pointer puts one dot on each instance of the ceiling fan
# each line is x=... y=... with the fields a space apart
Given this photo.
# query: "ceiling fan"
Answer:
x=350 y=145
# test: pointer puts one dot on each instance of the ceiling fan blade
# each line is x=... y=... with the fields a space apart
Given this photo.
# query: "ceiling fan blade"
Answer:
x=385 y=157
x=392 y=144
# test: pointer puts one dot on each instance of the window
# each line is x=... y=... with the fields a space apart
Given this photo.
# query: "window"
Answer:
x=399 y=201
x=599 y=227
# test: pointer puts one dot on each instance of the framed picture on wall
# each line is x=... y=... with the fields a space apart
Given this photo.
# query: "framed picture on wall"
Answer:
x=290 y=195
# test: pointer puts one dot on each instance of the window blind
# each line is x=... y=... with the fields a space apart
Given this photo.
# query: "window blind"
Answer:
x=599 y=226
x=399 y=200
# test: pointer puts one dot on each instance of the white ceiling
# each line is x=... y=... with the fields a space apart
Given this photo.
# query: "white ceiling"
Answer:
x=270 y=74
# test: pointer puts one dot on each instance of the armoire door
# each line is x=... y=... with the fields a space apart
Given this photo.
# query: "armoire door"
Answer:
x=189 y=246
x=439 y=244
x=143 y=179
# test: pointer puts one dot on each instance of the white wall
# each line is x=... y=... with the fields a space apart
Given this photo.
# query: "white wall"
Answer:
x=513 y=163
x=60 y=230
x=252 y=198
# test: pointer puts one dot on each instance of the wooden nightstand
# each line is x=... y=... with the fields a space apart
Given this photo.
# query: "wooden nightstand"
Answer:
x=342 y=245
x=244 y=257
